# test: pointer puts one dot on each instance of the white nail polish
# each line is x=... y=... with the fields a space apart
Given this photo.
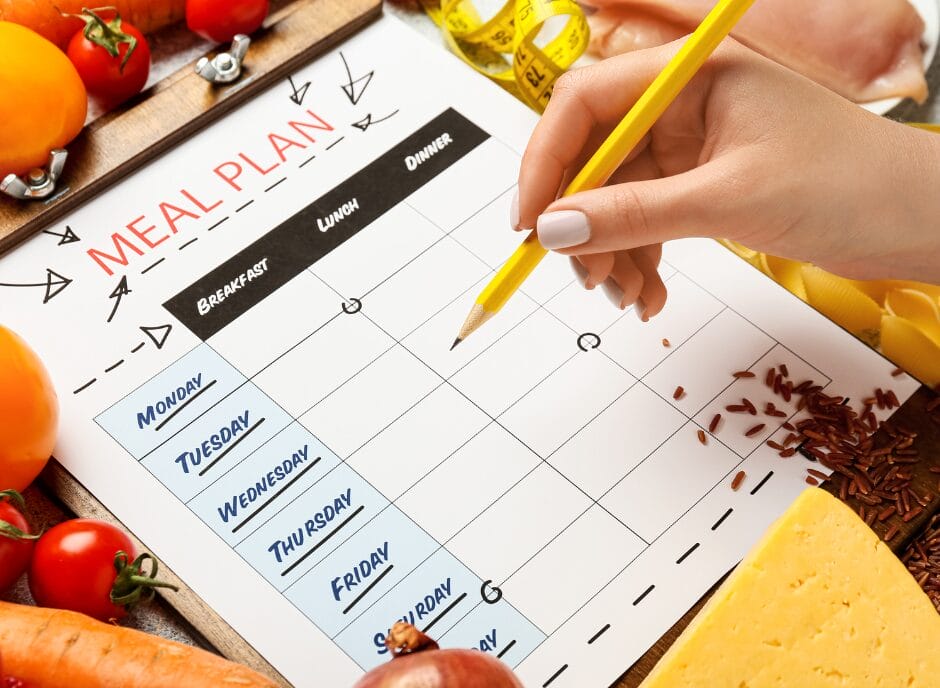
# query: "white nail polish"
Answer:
x=640 y=309
x=563 y=229
x=514 y=211
x=613 y=292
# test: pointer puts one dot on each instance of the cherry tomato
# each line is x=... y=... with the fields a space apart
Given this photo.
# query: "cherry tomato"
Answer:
x=29 y=409
x=220 y=20
x=88 y=566
x=111 y=56
x=16 y=542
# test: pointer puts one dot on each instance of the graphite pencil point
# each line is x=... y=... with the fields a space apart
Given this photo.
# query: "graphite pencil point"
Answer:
x=456 y=342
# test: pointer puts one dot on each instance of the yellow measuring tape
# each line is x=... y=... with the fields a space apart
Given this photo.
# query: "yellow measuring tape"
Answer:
x=508 y=47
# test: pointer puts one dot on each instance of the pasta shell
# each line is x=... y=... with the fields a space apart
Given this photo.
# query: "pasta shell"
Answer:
x=910 y=349
x=842 y=302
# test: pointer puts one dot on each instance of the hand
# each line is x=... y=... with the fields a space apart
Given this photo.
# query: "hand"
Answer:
x=749 y=151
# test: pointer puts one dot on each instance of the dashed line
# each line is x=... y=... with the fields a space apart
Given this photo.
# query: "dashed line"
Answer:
x=599 y=634
x=151 y=267
x=242 y=207
x=217 y=223
x=86 y=385
x=643 y=595
x=335 y=142
x=310 y=159
x=279 y=181
x=191 y=241
x=554 y=676
x=687 y=553
x=138 y=347
x=722 y=519
x=762 y=482
x=113 y=366
x=506 y=649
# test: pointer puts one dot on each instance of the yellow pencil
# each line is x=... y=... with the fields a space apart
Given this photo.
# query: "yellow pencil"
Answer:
x=624 y=138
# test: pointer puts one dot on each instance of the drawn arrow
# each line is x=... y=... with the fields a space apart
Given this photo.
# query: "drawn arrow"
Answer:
x=298 y=93
x=67 y=237
x=356 y=87
x=157 y=334
x=120 y=291
x=367 y=121
x=54 y=284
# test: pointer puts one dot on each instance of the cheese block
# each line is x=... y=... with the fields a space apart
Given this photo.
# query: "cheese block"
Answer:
x=819 y=602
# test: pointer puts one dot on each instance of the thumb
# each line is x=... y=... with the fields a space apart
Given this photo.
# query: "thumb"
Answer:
x=699 y=202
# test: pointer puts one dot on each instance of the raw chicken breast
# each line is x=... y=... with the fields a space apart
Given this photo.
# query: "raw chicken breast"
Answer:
x=863 y=49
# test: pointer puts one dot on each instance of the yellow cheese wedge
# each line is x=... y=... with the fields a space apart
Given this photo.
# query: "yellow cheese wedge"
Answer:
x=820 y=602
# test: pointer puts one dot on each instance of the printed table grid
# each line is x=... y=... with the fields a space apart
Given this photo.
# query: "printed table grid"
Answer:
x=358 y=306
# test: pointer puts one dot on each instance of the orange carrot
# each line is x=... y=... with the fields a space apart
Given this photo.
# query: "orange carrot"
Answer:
x=51 y=647
x=45 y=18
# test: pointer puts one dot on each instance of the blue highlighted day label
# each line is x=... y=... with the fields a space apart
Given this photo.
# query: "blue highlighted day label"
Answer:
x=339 y=589
x=313 y=525
x=216 y=442
x=271 y=477
x=163 y=405
x=498 y=628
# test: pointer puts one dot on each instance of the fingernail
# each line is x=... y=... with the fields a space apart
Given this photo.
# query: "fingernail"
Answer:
x=563 y=228
x=613 y=292
x=514 y=211
x=640 y=309
x=581 y=273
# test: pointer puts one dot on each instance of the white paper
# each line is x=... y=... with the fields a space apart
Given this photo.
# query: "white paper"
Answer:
x=319 y=465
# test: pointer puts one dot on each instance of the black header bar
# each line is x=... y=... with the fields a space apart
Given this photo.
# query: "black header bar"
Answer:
x=222 y=295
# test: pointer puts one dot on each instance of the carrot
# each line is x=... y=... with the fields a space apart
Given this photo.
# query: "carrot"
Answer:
x=52 y=648
x=44 y=16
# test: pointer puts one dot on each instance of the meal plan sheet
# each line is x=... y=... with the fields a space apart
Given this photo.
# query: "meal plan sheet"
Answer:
x=250 y=339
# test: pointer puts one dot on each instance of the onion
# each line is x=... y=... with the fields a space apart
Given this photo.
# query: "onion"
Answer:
x=418 y=662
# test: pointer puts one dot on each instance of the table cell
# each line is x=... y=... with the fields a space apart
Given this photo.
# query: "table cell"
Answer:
x=170 y=400
x=451 y=495
x=516 y=363
x=519 y=524
x=447 y=200
x=377 y=252
x=433 y=597
x=313 y=525
x=561 y=405
x=262 y=333
x=728 y=343
x=669 y=482
x=270 y=478
x=370 y=401
x=638 y=346
x=488 y=234
x=423 y=287
x=572 y=568
x=362 y=570
x=216 y=442
x=612 y=444
x=421 y=439
x=328 y=358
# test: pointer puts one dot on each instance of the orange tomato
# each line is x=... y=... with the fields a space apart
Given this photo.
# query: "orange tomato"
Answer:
x=29 y=413
x=42 y=99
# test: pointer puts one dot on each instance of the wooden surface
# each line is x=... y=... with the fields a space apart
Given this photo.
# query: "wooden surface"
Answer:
x=911 y=415
x=180 y=105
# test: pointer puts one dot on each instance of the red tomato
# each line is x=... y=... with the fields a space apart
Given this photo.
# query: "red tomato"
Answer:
x=88 y=566
x=16 y=543
x=112 y=58
x=220 y=20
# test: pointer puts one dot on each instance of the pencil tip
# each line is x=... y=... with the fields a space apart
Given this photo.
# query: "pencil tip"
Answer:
x=456 y=342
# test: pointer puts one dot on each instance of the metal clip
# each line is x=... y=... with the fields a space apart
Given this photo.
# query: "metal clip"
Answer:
x=225 y=67
x=39 y=183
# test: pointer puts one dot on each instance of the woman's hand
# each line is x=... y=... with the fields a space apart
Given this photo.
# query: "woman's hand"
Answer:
x=749 y=151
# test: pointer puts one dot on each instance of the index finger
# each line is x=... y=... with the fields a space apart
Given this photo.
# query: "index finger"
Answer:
x=583 y=100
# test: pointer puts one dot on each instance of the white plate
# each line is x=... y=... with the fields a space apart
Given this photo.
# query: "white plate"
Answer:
x=929 y=10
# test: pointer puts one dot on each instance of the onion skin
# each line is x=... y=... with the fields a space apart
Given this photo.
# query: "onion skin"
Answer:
x=441 y=669
x=417 y=662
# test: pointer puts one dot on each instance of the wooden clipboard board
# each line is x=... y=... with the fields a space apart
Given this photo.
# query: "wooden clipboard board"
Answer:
x=291 y=37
